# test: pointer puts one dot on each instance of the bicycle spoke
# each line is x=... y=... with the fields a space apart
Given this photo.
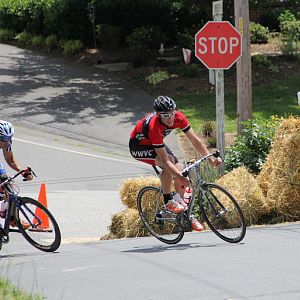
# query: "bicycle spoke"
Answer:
x=223 y=214
x=37 y=225
x=162 y=224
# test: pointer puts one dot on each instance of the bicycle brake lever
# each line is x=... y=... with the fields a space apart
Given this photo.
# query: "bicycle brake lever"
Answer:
x=185 y=173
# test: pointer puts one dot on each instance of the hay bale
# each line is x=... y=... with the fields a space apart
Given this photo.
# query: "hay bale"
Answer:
x=130 y=188
x=280 y=175
x=243 y=186
x=126 y=224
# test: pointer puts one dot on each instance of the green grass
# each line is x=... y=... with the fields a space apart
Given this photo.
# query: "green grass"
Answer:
x=9 y=292
x=279 y=98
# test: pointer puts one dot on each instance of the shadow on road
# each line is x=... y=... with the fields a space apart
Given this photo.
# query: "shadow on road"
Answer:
x=178 y=247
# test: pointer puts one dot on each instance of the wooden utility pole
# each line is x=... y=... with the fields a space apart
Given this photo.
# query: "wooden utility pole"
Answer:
x=243 y=65
x=220 y=107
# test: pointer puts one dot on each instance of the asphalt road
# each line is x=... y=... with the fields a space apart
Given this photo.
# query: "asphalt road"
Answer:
x=265 y=266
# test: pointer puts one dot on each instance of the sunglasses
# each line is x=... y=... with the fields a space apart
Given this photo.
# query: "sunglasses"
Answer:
x=167 y=115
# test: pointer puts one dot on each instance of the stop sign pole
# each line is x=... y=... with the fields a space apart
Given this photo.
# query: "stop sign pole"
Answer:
x=218 y=47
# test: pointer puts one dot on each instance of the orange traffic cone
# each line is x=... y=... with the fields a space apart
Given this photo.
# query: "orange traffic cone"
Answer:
x=40 y=213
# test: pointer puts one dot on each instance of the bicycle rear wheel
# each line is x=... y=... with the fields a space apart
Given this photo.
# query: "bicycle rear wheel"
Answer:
x=37 y=225
x=222 y=213
x=165 y=226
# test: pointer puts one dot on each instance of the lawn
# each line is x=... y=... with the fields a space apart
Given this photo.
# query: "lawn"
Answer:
x=278 y=98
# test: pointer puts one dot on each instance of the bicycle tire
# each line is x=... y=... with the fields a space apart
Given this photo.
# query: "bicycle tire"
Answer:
x=45 y=238
x=222 y=213
x=165 y=226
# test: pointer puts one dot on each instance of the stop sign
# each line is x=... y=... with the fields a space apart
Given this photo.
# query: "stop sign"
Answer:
x=218 y=45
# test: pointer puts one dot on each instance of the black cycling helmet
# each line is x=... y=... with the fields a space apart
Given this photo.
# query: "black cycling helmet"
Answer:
x=164 y=104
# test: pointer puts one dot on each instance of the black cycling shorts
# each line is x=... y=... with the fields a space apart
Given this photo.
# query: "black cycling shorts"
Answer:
x=147 y=153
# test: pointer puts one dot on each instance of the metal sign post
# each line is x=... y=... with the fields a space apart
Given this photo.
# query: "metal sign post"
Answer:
x=219 y=80
x=92 y=16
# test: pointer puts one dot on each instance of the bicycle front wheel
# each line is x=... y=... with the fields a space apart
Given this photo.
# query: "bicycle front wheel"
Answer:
x=165 y=226
x=37 y=225
x=222 y=213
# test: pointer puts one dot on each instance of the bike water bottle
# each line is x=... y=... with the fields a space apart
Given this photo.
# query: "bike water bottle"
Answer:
x=187 y=195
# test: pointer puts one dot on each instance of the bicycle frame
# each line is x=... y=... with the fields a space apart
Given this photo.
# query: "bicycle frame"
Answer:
x=197 y=183
x=14 y=201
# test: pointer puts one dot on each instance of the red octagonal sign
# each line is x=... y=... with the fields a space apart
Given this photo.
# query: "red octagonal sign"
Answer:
x=218 y=45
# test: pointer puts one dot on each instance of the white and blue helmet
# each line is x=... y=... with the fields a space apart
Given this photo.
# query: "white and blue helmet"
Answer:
x=6 y=131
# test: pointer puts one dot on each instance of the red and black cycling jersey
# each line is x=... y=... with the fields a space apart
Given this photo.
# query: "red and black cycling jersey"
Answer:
x=151 y=131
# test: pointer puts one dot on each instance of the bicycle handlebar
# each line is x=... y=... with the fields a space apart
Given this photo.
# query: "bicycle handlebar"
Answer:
x=215 y=154
x=28 y=170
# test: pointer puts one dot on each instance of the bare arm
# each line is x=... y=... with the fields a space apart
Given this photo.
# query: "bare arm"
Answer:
x=11 y=161
x=200 y=146
x=9 y=157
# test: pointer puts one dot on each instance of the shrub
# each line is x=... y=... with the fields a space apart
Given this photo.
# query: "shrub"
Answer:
x=139 y=39
x=157 y=77
x=51 y=41
x=252 y=146
x=37 y=41
x=186 y=40
x=286 y=16
x=145 y=38
x=261 y=60
x=24 y=37
x=258 y=33
x=108 y=35
x=290 y=33
x=191 y=70
x=71 y=47
x=6 y=35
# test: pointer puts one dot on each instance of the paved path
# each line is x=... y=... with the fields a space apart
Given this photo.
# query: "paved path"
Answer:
x=69 y=99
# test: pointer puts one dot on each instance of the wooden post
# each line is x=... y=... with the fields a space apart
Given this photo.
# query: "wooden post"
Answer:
x=219 y=76
x=243 y=65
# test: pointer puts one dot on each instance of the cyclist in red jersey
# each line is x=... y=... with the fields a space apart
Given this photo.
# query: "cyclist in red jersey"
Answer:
x=146 y=144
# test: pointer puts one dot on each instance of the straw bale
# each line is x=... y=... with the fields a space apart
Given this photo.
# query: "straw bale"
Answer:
x=126 y=224
x=243 y=186
x=280 y=175
x=130 y=188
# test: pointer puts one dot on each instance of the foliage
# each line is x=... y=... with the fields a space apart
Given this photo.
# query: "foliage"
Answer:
x=51 y=41
x=286 y=16
x=208 y=129
x=69 y=20
x=71 y=47
x=252 y=146
x=186 y=40
x=139 y=39
x=191 y=70
x=290 y=33
x=144 y=38
x=258 y=33
x=6 y=35
x=157 y=77
x=37 y=41
x=108 y=35
x=9 y=292
x=132 y=14
x=24 y=37
x=261 y=60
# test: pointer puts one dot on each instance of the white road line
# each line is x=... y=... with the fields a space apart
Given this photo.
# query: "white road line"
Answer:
x=80 y=153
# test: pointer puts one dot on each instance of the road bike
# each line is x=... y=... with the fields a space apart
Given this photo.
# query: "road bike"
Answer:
x=28 y=217
x=217 y=207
